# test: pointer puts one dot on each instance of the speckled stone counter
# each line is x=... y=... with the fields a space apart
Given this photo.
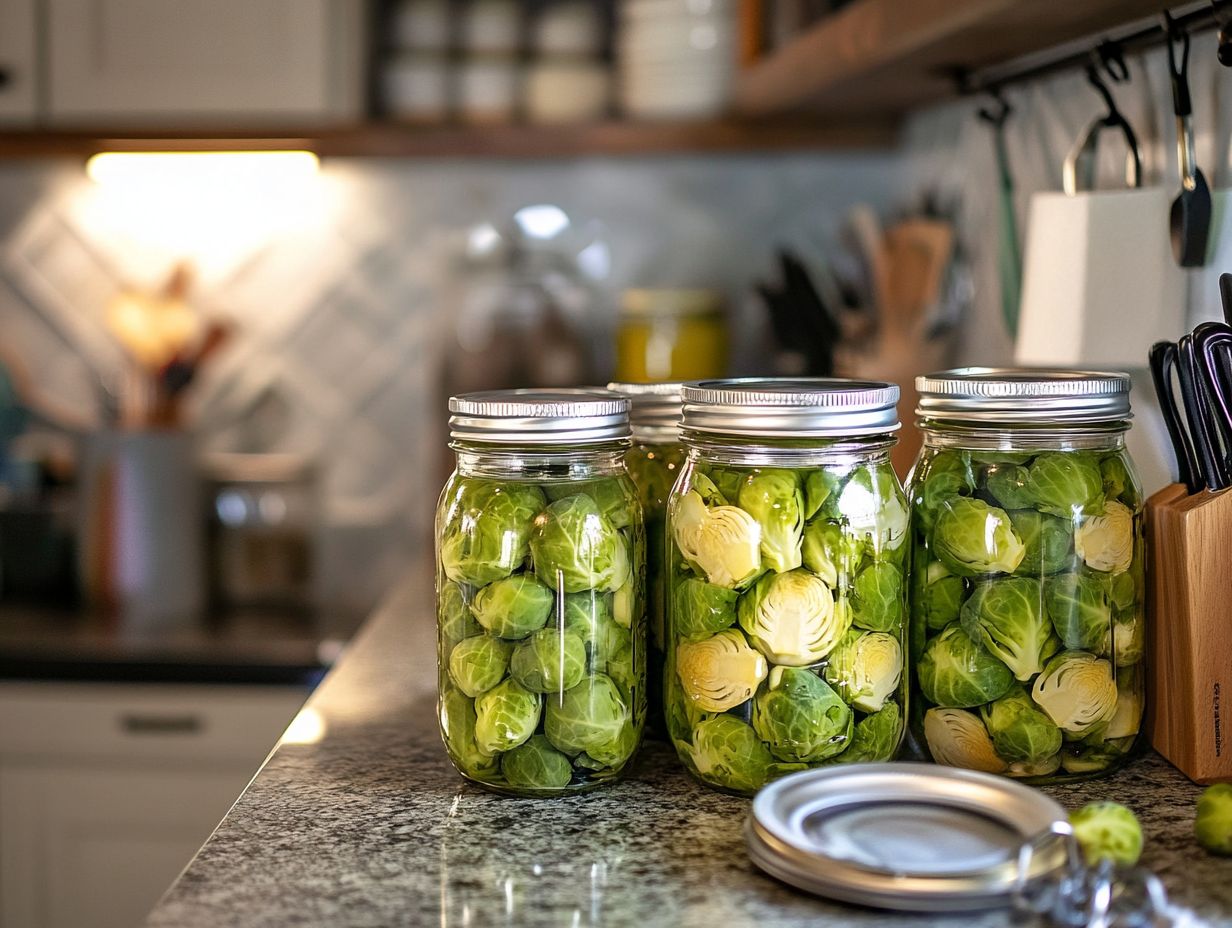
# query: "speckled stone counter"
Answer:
x=370 y=826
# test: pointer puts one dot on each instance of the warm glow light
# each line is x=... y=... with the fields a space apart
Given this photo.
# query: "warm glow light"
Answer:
x=111 y=167
x=306 y=728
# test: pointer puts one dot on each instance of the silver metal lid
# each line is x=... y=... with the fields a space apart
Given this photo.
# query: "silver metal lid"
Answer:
x=539 y=417
x=911 y=837
x=1023 y=395
x=771 y=407
x=656 y=408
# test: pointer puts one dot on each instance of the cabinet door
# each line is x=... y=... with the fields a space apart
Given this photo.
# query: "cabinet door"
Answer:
x=202 y=61
x=18 y=71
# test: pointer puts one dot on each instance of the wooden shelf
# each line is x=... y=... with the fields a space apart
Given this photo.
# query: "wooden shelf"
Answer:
x=881 y=58
x=389 y=140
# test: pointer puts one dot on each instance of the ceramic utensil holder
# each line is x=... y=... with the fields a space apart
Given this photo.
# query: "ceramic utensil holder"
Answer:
x=1190 y=644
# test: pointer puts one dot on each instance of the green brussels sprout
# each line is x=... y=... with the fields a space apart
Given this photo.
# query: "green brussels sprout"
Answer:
x=624 y=604
x=1007 y=617
x=800 y=717
x=1077 y=691
x=587 y=718
x=589 y=615
x=875 y=738
x=1078 y=606
x=505 y=716
x=455 y=617
x=1047 y=539
x=956 y=672
x=537 y=765
x=487 y=529
x=773 y=498
x=957 y=738
x=871 y=505
x=1008 y=484
x=703 y=608
x=877 y=598
x=723 y=541
x=947 y=476
x=1128 y=637
x=1116 y=477
x=609 y=495
x=1042 y=768
x=791 y=618
x=620 y=667
x=575 y=547
x=720 y=672
x=1213 y=822
x=1020 y=732
x=549 y=661
x=942 y=597
x=457 y=715
x=1066 y=484
x=513 y=607
x=999 y=457
x=1127 y=719
x=830 y=552
x=478 y=664
x=711 y=495
x=865 y=669
x=683 y=715
x=617 y=751
x=728 y=752
x=1106 y=541
x=818 y=486
x=1107 y=831
x=972 y=538
x=1123 y=592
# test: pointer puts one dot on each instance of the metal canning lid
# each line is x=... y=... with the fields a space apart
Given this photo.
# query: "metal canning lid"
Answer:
x=1023 y=395
x=771 y=407
x=910 y=837
x=539 y=417
x=655 y=407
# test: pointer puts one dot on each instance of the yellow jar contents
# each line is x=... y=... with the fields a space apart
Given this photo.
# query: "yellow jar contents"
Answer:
x=671 y=335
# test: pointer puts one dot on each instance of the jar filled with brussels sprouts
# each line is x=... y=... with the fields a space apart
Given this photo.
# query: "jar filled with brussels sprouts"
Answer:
x=541 y=592
x=1028 y=579
x=654 y=462
x=787 y=536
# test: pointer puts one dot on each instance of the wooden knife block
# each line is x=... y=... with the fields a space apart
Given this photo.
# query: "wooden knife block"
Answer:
x=1190 y=631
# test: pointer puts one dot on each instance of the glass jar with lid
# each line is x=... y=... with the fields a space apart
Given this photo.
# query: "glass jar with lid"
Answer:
x=671 y=334
x=787 y=535
x=540 y=584
x=654 y=462
x=1028 y=580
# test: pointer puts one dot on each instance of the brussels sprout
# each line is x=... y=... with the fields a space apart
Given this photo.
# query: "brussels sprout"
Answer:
x=1127 y=719
x=1008 y=484
x=457 y=714
x=720 y=672
x=948 y=476
x=1117 y=481
x=773 y=498
x=1043 y=768
x=575 y=548
x=1213 y=822
x=478 y=664
x=1020 y=732
x=1077 y=691
x=624 y=604
x=586 y=719
x=505 y=716
x=1047 y=539
x=791 y=618
x=724 y=542
x=549 y=661
x=876 y=737
x=1096 y=758
x=1078 y=606
x=683 y=715
x=609 y=495
x=703 y=608
x=942 y=597
x=877 y=598
x=865 y=669
x=728 y=752
x=711 y=495
x=1106 y=542
x=1107 y=831
x=957 y=738
x=972 y=538
x=487 y=528
x=1128 y=637
x=617 y=751
x=537 y=765
x=589 y=615
x=801 y=718
x=829 y=552
x=956 y=672
x=1066 y=484
x=1123 y=592
x=1007 y=617
x=871 y=505
x=455 y=617
x=513 y=607
x=621 y=668
x=818 y=486
x=999 y=456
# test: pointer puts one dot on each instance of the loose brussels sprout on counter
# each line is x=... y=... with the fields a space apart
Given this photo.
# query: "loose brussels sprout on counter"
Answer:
x=1107 y=831
x=1213 y=821
x=786 y=619
x=1027 y=604
x=541 y=631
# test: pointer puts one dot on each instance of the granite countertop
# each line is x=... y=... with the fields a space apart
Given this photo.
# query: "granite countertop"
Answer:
x=370 y=826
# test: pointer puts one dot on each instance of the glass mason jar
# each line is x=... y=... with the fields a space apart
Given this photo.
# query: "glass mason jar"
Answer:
x=540 y=585
x=787 y=534
x=1028 y=578
x=654 y=461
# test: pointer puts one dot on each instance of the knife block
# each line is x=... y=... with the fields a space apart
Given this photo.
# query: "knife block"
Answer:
x=1190 y=631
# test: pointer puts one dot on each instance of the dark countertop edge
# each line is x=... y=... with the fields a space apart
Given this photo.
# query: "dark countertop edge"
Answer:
x=160 y=671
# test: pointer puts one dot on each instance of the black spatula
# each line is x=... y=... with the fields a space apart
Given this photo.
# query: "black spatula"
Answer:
x=1191 y=210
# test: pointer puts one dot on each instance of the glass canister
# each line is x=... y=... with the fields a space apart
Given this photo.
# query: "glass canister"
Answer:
x=541 y=592
x=671 y=334
x=654 y=462
x=1028 y=589
x=787 y=533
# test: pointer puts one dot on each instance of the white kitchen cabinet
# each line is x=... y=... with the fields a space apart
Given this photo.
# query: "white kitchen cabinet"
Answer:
x=18 y=62
x=202 y=62
x=106 y=791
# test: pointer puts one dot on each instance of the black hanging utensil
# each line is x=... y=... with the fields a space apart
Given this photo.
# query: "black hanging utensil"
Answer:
x=1191 y=210
x=1163 y=362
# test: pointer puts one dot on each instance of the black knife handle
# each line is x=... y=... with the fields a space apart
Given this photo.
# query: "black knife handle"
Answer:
x=1163 y=360
x=1198 y=413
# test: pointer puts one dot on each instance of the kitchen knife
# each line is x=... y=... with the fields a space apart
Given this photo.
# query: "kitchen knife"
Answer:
x=1163 y=362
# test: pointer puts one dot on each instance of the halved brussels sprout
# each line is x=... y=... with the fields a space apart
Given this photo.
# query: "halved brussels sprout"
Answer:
x=830 y=552
x=728 y=752
x=800 y=717
x=942 y=597
x=1106 y=542
x=457 y=714
x=720 y=672
x=506 y=716
x=454 y=617
x=871 y=505
x=1008 y=484
x=1127 y=719
x=1067 y=484
x=624 y=604
x=1128 y=637
x=1077 y=691
x=703 y=608
x=1020 y=732
x=877 y=598
x=576 y=548
x=487 y=530
x=724 y=541
x=957 y=738
x=876 y=738
x=609 y=495
x=478 y=664
x=1007 y=617
x=1078 y=606
x=773 y=498
x=791 y=618
x=513 y=607
x=1047 y=539
x=956 y=672
x=972 y=538
x=865 y=669
x=586 y=719
x=1107 y=831
x=549 y=661
x=537 y=765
